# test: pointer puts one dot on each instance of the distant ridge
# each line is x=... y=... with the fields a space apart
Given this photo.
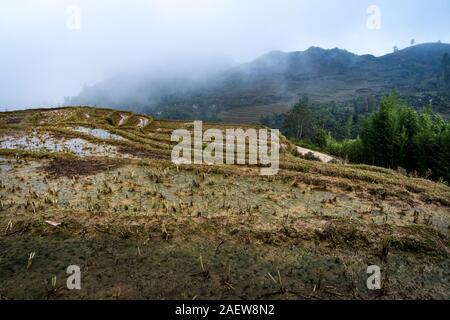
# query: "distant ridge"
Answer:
x=274 y=81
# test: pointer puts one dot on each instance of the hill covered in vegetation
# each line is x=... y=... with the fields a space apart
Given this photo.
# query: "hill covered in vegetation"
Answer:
x=393 y=135
x=276 y=81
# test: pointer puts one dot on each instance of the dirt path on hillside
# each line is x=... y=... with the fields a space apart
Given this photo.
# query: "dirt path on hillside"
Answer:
x=122 y=119
x=319 y=155
x=142 y=122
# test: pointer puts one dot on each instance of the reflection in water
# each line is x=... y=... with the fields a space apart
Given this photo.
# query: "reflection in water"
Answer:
x=98 y=133
x=46 y=142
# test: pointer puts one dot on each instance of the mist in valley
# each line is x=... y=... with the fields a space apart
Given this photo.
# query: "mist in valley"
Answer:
x=135 y=54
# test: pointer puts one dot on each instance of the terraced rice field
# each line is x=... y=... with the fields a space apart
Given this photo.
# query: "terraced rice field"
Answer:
x=252 y=114
x=96 y=188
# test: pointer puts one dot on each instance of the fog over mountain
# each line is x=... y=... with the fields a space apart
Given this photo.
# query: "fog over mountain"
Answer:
x=51 y=49
x=277 y=80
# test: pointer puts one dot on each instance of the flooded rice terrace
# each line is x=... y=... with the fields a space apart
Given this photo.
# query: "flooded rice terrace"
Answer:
x=99 y=133
x=46 y=142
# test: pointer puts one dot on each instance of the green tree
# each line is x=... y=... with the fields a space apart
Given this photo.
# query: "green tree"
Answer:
x=409 y=126
x=321 y=138
x=445 y=69
x=349 y=127
x=300 y=121
x=380 y=134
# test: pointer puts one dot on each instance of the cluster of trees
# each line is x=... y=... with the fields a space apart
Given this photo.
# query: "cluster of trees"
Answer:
x=393 y=136
x=398 y=136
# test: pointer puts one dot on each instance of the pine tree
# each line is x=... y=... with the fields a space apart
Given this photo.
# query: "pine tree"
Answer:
x=379 y=136
x=300 y=121
x=409 y=124
x=445 y=67
x=349 y=127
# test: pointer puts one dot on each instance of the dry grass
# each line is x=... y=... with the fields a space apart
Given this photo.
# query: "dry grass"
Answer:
x=214 y=231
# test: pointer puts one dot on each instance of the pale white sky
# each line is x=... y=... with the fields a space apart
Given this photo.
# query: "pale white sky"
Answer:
x=42 y=59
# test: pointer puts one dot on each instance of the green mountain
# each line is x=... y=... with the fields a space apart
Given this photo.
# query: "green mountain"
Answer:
x=273 y=82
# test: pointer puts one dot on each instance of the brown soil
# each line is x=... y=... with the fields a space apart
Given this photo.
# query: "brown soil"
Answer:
x=14 y=120
x=77 y=167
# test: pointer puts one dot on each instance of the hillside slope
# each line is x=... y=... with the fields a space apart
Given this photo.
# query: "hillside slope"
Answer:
x=96 y=188
x=273 y=82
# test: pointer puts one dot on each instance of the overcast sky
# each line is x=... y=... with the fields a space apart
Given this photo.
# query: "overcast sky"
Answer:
x=50 y=48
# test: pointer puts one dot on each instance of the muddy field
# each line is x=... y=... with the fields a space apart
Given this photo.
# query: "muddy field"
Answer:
x=143 y=228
